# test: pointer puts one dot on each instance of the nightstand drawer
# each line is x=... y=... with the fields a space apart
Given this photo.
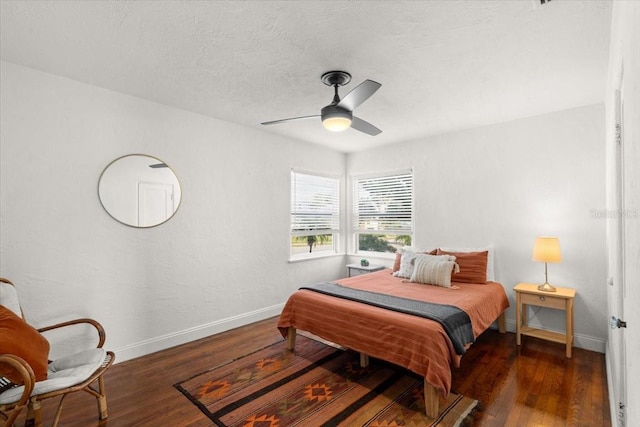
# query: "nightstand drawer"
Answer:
x=548 y=301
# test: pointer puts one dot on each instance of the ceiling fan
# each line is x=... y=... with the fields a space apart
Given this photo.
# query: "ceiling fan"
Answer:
x=338 y=115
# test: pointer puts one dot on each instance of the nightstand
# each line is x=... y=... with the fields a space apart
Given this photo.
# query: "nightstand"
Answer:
x=357 y=269
x=561 y=299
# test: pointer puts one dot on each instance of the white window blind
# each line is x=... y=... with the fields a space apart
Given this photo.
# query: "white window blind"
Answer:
x=384 y=204
x=315 y=204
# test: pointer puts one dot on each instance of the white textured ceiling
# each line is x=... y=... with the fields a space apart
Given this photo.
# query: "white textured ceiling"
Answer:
x=443 y=65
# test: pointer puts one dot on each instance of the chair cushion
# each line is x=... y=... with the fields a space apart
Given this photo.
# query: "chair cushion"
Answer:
x=22 y=340
x=63 y=365
x=65 y=372
x=9 y=298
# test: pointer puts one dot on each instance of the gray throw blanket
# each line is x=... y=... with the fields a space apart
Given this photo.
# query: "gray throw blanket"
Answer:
x=455 y=322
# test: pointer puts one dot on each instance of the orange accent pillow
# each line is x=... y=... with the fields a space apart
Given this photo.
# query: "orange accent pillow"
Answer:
x=473 y=266
x=22 y=340
x=396 y=262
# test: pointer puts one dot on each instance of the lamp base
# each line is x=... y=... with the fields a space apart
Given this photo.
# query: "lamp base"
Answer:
x=546 y=287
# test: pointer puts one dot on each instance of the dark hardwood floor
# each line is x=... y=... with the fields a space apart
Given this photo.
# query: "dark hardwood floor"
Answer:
x=534 y=385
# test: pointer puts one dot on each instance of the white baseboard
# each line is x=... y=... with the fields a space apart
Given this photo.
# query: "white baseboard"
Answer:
x=191 y=334
x=585 y=342
x=590 y=343
x=201 y=331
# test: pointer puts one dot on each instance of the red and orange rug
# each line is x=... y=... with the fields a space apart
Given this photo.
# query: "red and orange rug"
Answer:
x=317 y=385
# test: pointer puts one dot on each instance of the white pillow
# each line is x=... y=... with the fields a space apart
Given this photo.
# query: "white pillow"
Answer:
x=433 y=271
x=407 y=258
x=491 y=277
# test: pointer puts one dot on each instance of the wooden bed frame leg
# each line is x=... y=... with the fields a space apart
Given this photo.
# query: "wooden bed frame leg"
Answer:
x=291 y=338
x=502 y=323
x=364 y=360
x=431 y=403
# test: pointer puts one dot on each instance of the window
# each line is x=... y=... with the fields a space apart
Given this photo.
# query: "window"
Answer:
x=315 y=215
x=383 y=212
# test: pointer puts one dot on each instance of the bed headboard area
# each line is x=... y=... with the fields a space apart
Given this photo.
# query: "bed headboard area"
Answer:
x=474 y=265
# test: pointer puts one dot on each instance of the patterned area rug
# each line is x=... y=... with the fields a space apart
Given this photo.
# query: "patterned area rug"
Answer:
x=317 y=385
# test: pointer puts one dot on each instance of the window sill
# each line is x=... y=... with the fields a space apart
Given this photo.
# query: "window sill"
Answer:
x=373 y=255
x=311 y=258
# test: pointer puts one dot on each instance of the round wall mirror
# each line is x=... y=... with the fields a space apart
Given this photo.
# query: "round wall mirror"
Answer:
x=139 y=190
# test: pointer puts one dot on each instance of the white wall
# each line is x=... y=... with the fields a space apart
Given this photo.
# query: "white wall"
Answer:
x=505 y=184
x=220 y=262
x=215 y=265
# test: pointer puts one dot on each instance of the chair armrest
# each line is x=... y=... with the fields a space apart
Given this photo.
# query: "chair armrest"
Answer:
x=102 y=336
x=25 y=371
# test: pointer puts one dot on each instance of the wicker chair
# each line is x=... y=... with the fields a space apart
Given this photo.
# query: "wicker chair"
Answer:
x=82 y=371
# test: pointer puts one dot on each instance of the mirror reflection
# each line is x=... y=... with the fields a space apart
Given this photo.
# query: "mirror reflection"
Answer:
x=139 y=190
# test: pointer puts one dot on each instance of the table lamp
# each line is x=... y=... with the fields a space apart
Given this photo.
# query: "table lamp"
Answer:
x=546 y=249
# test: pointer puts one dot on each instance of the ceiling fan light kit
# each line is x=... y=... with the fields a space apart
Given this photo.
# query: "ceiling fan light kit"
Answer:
x=338 y=115
x=336 y=119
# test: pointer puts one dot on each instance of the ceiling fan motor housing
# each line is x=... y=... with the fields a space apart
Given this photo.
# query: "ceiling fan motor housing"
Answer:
x=336 y=118
x=331 y=111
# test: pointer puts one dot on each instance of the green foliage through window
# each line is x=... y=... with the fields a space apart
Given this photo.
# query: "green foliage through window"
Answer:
x=382 y=242
x=319 y=240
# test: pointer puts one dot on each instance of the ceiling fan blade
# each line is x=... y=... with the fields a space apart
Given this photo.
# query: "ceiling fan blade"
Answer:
x=273 y=122
x=358 y=95
x=364 y=126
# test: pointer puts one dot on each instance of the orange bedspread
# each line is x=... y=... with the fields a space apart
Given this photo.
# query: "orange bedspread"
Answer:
x=415 y=343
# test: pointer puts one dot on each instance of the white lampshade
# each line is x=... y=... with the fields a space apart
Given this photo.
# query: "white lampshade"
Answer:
x=546 y=249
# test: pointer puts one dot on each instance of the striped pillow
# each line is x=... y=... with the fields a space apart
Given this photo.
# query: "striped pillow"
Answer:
x=433 y=271
x=473 y=266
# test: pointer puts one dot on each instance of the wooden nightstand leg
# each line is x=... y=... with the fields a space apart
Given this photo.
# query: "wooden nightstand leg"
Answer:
x=569 y=320
x=518 y=317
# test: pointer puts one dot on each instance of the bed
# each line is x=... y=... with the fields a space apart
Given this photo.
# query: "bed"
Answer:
x=418 y=344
